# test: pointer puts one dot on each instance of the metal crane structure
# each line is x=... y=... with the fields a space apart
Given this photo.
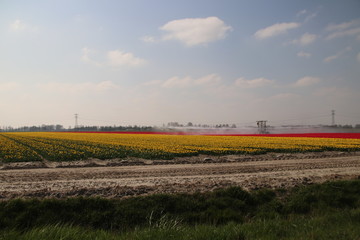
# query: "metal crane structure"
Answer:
x=261 y=126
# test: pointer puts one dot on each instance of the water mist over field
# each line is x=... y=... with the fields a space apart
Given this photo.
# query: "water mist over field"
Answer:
x=255 y=130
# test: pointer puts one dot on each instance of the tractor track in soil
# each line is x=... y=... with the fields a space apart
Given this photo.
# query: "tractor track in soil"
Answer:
x=121 y=178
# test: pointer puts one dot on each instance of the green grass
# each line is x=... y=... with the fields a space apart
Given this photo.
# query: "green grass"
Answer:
x=343 y=225
x=322 y=211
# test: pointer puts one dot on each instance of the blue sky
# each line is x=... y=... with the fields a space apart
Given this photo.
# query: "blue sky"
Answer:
x=153 y=62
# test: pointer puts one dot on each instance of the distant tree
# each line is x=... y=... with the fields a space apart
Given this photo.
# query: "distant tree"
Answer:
x=59 y=127
x=174 y=124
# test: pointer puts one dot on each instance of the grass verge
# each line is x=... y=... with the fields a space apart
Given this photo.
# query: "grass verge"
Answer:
x=322 y=211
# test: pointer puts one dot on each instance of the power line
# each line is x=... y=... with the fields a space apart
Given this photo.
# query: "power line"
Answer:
x=289 y=120
x=300 y=119
x=349 y=117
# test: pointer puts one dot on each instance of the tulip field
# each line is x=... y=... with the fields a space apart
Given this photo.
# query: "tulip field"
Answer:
x=69 y=146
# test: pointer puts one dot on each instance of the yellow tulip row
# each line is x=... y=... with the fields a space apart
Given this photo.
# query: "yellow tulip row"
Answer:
x=74 y=146
x=11 y=151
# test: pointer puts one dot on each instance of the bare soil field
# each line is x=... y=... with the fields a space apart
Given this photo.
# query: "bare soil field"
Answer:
x=119 y=178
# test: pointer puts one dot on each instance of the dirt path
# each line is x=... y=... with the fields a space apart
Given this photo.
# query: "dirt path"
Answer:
x=148 y=178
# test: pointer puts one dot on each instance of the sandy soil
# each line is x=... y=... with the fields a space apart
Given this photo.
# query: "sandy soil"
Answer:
x=131 y=177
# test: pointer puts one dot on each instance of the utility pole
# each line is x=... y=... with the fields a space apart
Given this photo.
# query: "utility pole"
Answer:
x=333 y=117
x=76 y=120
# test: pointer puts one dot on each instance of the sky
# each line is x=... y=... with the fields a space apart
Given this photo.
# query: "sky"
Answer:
x=152 y=62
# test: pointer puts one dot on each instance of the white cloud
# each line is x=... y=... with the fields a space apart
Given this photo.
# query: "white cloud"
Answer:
x=343 y=26
x=331 y=58
x=310 y=16
x=345 y=33
x=358 y=57
x=307 y=81
x=118 y=58
x=177 y=82
x=148 y=39
x=303 y=54
x=75 y=88
x=17 y=25
x=306 y=14
x=115 y=58
x=8 y=86
x=305 y=39
x=20 y=26
x=253 y=83
x=345 y=29
x=337 y=55
x=211 y=79
x=195 y=31
x=276 y=29
x=87 y=56
x=302 y=12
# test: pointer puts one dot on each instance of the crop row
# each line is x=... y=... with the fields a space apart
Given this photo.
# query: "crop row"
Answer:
x=76 y=146
x=13 y=151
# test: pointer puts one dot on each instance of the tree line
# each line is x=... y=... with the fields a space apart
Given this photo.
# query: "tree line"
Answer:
x=61 y=128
